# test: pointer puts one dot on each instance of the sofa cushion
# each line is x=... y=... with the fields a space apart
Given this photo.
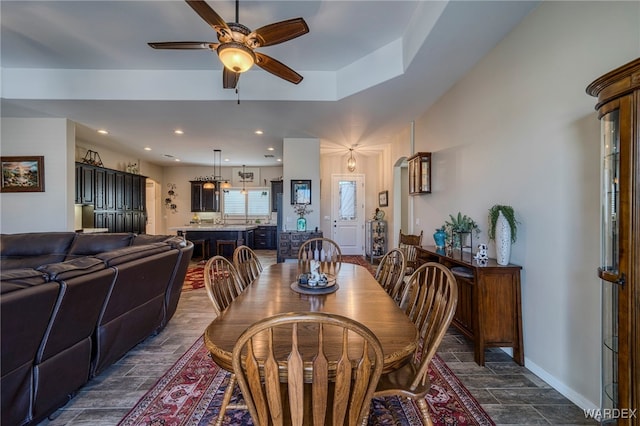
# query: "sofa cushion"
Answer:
x=173 y=240
x=90 y=244
x=127 y=254
x=29 y=250
x=21 y=278
x=72 y=268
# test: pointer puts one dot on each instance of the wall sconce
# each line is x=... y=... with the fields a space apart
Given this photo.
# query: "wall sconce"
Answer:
x=351 y=162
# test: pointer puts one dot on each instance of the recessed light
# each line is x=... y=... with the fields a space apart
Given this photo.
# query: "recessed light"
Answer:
x=271 y=148
x=178 y=132
x=226 y=159
x=259 y=132
x=177 y=159
x=146 y=148
x=279 y=159
x=103 y=132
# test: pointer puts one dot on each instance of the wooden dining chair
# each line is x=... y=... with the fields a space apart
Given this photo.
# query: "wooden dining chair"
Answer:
x=247 y=264
x=223 y=284
x=430 y=300
x=390 y=273
x=320 y=385
x=408 y=243
x=324 y=250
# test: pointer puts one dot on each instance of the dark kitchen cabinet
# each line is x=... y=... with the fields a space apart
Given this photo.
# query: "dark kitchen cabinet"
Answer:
x=118 y=198
x=85 y=181
x=265 y=238
x=205 y=200
x=276 y=188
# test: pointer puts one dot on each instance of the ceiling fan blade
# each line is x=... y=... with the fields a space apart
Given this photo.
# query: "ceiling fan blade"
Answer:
x=277 y=68
x=210 y=16
x=280 y=32
x=229 y=78
x=184 y=45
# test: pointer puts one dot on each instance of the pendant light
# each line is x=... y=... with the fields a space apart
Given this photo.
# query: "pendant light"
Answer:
x=217 y=169
x=351 y=162
x=244 y=188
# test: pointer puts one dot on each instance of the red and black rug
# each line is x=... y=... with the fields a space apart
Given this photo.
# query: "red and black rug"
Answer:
x=191 y=392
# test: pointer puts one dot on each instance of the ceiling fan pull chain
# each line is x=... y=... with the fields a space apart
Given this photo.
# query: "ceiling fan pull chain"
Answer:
x=238 y=94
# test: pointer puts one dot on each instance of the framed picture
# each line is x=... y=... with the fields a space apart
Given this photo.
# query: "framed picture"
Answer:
x=22 y=174
x=250 y=175
x=300 y=192
x=383 y=198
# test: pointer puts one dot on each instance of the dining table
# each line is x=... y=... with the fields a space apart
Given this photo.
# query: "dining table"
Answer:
x=356 y=295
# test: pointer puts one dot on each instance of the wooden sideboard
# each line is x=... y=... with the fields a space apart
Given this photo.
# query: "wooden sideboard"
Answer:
x=489 y=311
x=289 y=243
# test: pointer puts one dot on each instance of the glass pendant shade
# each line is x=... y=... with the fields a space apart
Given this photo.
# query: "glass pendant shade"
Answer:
x=236 y=56
x=351 y=162
x=209 y=185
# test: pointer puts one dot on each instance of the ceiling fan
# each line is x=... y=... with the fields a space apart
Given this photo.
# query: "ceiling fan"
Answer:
x=237 y=43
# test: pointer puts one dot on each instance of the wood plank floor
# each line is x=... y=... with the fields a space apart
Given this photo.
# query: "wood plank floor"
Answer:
x=511 y=394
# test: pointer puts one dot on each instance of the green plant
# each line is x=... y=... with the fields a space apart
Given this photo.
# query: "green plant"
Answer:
x=508 y=213
x=461 y=223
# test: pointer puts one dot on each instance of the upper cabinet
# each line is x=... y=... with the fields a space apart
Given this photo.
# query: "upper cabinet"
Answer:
x=85 y=190
x=420 y=173
x=204 y=199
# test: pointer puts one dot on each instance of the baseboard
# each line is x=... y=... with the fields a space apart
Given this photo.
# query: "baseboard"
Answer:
x=566 y=391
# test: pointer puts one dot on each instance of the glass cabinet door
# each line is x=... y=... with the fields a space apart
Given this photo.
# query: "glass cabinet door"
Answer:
x=610 y=261
x=609 y=269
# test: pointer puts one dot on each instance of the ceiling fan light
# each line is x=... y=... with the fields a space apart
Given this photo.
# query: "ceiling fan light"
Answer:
x=236 y=56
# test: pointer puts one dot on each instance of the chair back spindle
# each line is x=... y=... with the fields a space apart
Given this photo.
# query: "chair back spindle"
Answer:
x=282 y=381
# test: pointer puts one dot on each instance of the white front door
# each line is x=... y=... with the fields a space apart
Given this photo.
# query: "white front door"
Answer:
x=347 y=212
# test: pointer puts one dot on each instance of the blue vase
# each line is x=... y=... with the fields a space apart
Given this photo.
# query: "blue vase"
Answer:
x=302 y=224
x=440 y=237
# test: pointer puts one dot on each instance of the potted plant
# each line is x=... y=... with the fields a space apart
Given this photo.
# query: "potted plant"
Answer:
x=461 y=224
x=503 y=228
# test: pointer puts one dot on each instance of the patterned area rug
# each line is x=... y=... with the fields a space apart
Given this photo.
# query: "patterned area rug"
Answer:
x=191 y=392
x=195 y=278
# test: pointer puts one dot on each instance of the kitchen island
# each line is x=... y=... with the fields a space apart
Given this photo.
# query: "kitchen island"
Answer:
x=212 y=233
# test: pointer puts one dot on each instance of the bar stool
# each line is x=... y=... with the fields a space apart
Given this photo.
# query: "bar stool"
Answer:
x=204 y=247
x=221 y=244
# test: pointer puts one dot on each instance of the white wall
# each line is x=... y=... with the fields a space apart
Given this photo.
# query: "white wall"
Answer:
x=53 y=209
x=301 y=160
x=519 y=129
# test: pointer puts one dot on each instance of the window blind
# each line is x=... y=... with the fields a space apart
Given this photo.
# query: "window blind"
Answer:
x=255 y=203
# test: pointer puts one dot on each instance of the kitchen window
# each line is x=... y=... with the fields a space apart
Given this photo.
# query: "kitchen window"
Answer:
x=255 y=203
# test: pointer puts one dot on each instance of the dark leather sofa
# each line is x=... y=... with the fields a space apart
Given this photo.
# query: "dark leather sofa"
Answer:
x=72 y=304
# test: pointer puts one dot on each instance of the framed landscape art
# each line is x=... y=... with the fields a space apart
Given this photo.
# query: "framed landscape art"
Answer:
x=22 y=174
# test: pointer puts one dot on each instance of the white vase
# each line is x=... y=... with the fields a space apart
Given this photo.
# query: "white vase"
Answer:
x=503 y=240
